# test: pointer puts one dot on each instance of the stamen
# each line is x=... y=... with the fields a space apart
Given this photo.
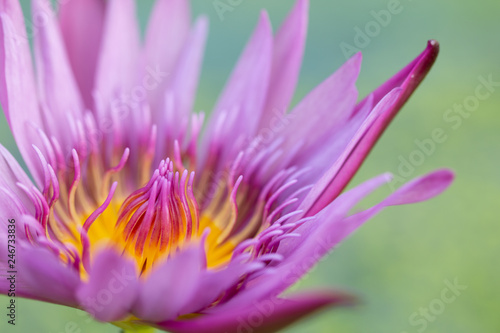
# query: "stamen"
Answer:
x=163 y=212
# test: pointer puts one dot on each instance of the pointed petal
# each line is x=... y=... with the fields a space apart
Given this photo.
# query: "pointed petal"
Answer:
x=117 y=63
x=408 y=80
x=17 y=85
x=57 y=86
x=332 y=226
x=168 y=288
x=326 y=107
x=182 y=89
x=83 y=40
x=11 y=174
x=242 y=101
x=166 y=36
x=325 y=189
x=261 y=317
x=289 y=47
x=299 y=257
x=112 y=286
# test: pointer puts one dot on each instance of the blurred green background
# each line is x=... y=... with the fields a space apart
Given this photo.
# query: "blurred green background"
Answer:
x=400 y=262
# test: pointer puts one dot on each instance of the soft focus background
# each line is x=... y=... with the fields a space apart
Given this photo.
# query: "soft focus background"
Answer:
x=401 y=262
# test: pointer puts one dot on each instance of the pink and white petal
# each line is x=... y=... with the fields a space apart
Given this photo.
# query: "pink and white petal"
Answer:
x=323 y=111
x=17 y=84
x=298 y=257
x=166 y=36
x=172 y=121
x=331 y=225
x=408 y=79
x=11 y=174
x=289 y=45
x=57 y=86
x=266 y=316
x=112 y=287
x=43 y=276
x=238 y=111
x=212 y=284
x=117 y=69
x=83 y=41
x=169 y=287
x=325 y=189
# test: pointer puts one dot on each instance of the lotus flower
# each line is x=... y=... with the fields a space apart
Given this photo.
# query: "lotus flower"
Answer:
x=142 y=215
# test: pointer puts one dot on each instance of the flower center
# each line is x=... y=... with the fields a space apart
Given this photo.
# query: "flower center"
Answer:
x=158 y=218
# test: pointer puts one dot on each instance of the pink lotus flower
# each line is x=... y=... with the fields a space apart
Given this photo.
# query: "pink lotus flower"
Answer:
x=141 y=221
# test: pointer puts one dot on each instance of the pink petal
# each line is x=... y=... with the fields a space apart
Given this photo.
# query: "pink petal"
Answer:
x=112 y=287
x=211 y=284
x=324 y=190
x=83 y=40
x=322 y=112
x=45 y=277
x=11 y=174
x=289 y=47
x=166 y=36
x=17 y=90
x=183 y=82
x=408 y=79
x=58 y=89
x=241 y=104
x=265 y=316
x=332 y=226
x=170 y=286
x=117 y=69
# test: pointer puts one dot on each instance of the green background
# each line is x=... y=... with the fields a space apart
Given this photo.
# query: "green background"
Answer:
x=400 y=261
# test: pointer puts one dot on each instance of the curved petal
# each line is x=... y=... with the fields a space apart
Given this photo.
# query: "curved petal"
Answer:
x=322 y=112
x=83 y=40
x=240 y=106
x=322 y=193
x=172 y=122
x=331 y=226
x=57 y=86
x=265 y=316
x=17 y=84
x=289 y=45
x=166 y=36
x=11 y=174
x=45 y=277
x=117 y=63
x=408 y=80
x=170 y=286
x=112 y=287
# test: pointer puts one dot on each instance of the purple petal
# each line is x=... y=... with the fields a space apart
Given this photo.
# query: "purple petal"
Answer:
x=322 y=112
x=117 y=64
x=58 y=89
x=45 y=277
x=408 y=80
x=83 y=40
x=11 y=174
x=17 y=91
x=331 y=225
x=289 y=47
x=261 y=317
x=182 y=89
x=170 y=286
x=241 y=104
x=324 y=190
x=166 y=36
x=112 y=287
x=212 y=284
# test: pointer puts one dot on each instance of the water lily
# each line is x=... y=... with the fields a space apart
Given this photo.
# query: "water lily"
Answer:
x=143 y=214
